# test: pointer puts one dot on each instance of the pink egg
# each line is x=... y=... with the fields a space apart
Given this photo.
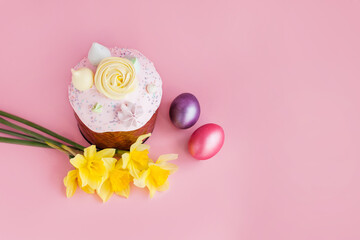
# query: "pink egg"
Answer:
x=206 y=141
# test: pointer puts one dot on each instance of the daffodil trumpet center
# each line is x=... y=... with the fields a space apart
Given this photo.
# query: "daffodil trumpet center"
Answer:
x=119 y=179
x=96 y=168
x=158 y=176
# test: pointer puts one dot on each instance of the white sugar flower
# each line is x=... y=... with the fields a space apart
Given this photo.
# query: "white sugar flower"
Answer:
x=129 y=114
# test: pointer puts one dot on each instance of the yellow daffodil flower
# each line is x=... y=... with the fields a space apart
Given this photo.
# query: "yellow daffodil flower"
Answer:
x=137 y=159
x=118 y=181
x=100 y=171
x=155 y=178
x=93 y=166
x=72 y=180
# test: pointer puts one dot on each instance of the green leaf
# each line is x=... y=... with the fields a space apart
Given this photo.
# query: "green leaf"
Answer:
x=97 y=108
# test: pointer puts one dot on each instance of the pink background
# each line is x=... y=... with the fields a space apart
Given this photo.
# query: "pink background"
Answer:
x=281 y=77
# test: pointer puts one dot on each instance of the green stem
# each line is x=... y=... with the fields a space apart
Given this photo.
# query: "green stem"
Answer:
x=31 y=133
x=121 y=152
x=40 y=128
x=61 y=149
x=23 y=142
x=8 y=132
x=23 y=136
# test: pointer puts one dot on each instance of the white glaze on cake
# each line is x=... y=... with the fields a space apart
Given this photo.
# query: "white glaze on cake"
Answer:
x=108 y=119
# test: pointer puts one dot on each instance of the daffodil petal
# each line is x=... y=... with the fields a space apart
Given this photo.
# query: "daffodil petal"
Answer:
x=119 y=164
x=167 y=157
x=141 y=181
x=88 y=189
x=70 y=183
x=139 y=141
x=84 y=176
x=70 y=190
x=105 y=153
x=105 y=191
x=133 y=171
x=70 y=177
x=168 y=166
x=124 y=193
x=78 y=161
x=142 y=147
x=142 y=137
x=152 y=190
x=90 y=152
x=134 y=146
x=163 y=187
x=109 y=163
x=95 y=182
x=125 y=159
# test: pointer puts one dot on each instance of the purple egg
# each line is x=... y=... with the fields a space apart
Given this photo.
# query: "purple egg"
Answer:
x=184 y=111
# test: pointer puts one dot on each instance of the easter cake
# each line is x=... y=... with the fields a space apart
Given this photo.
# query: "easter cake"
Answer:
x=115 y=94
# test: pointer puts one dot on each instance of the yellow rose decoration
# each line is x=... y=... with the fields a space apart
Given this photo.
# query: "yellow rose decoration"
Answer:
x=115 y=77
